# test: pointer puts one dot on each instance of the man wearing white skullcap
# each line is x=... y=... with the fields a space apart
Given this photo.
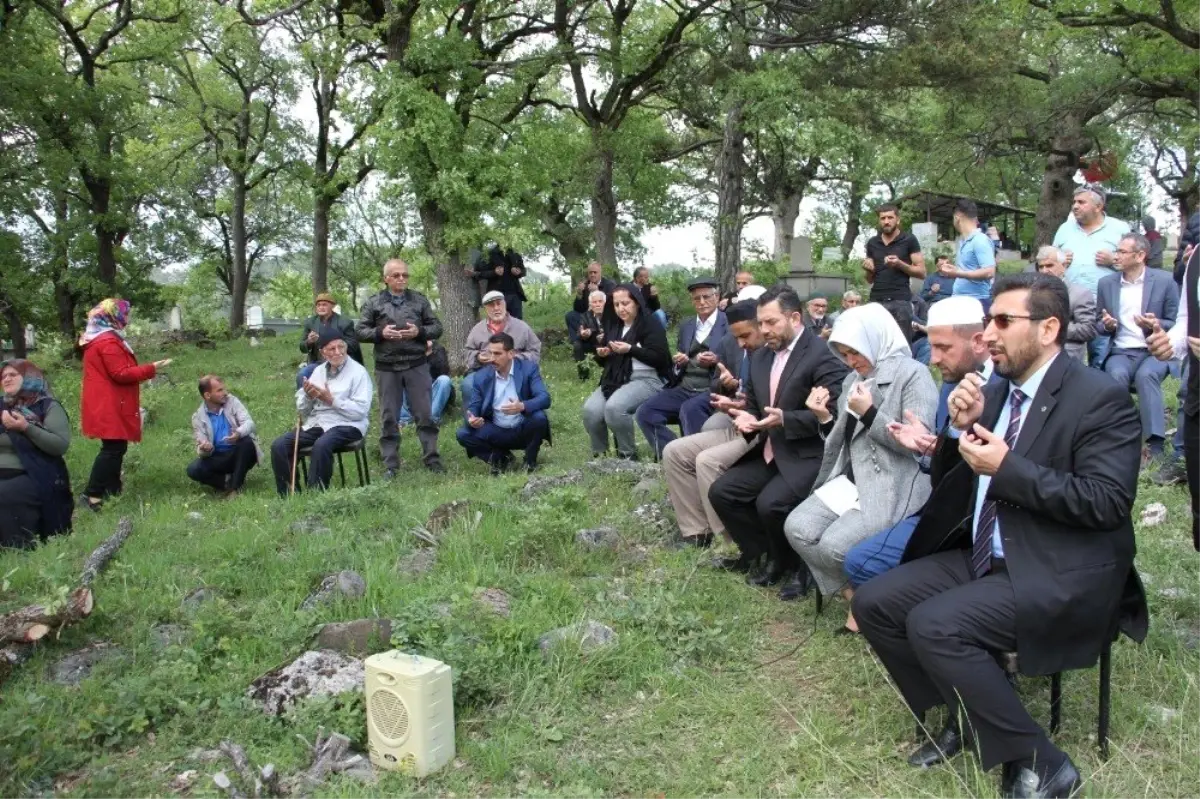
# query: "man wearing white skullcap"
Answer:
x=955 y=328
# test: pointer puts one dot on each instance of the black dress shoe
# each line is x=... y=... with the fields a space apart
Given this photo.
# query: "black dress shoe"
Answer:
x=794 y=587
x=739 y=564
x=1063 y=783
x=947 y=744
x=771 y=574
x=702 y=541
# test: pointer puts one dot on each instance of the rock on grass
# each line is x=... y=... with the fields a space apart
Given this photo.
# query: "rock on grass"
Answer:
x=315 y=673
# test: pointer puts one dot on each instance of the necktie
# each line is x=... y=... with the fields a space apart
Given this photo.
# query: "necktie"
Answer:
x=776 y=370
x=981 y=553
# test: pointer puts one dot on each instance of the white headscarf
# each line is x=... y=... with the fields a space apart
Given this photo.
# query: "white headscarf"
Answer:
x=870 y=331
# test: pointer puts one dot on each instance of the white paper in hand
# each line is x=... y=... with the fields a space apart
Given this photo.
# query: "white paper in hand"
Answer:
x=839 y=495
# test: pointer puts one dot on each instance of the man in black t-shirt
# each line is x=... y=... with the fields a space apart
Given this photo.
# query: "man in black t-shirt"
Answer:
x=893 y=256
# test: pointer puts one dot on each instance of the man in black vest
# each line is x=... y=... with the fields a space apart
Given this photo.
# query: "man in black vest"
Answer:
x=1183 y=341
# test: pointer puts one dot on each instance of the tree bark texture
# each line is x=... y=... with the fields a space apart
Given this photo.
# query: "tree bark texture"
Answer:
x=604 y=210
x=1058 y=181
x=858 y=193
x=12 y=320
x=241 y=274
x=785 y=210
x=455 y=308
x=731 y=185
x=320 y=243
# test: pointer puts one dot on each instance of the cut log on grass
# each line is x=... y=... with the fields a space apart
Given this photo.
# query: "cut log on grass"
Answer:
x=20 y=629
x=32 y=623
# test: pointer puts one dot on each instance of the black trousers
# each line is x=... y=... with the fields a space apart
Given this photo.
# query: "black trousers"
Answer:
x=105 y=480
x=753 y=501
x=1191 y=455
x=937 y=628
x=320 y=463
x=491 y=443
x=233 y=463
x=20 y=512
x=901 y=311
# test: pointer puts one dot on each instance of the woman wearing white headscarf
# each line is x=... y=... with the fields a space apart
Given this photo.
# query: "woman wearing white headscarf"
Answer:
x=885 y=382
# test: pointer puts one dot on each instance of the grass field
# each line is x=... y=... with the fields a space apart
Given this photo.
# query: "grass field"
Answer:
x=713 y=688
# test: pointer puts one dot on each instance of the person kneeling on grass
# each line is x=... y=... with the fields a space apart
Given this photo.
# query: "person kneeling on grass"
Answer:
x=225 y=444
x=507 y=410
x=335 y=406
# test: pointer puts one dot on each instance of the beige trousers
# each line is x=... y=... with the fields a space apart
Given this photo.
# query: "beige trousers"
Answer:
x=691 y=465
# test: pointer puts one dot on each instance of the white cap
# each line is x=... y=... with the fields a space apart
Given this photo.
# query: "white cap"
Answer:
x=492 y=296
x=955 y=311
x=750 y=293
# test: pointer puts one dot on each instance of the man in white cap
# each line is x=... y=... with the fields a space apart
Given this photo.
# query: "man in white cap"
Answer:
x=955 y=329
x=526 y=345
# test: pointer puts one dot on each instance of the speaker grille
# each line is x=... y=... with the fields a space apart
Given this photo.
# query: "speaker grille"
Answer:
x=389 y=714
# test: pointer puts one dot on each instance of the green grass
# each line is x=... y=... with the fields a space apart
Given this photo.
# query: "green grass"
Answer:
x=680 y=707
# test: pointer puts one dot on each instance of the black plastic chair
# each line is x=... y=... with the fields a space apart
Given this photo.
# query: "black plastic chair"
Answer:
x=360 y=461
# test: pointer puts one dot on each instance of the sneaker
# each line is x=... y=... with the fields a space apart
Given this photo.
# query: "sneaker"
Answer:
x=1171 y=473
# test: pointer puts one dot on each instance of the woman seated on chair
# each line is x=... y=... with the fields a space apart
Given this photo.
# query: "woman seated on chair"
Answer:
x=334 y=406
x=871 y=480
x=35 y=489
x=636 y=358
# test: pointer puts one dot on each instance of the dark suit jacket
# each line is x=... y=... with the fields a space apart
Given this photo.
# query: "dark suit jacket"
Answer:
x=1065 y=496
x=730 y=353
x=815 y=327
x=530 y=389
x=1160 y=296
x=581 y=299
x=687 y=336
x=797 y=445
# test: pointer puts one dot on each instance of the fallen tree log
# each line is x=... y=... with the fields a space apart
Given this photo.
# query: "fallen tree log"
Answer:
x=21 y=629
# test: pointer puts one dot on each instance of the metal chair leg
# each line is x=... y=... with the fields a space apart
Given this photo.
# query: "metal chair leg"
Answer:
x=304 y=469
x=1055 y=702
x=366 y=465
x=358 y=466
x=341 y=469
x=1105 y=699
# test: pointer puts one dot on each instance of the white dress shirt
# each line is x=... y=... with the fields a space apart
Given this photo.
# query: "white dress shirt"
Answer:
x=1177 y=335
x=704 y=327
x=1129 y=335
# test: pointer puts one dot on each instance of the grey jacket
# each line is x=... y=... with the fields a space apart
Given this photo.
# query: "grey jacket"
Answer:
x=385 y=309
x=235 y=414
x=526 y=344
x=1082 y=327
x=890 y=483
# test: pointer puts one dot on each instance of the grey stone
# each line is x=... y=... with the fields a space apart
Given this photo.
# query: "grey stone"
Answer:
x=648 y=486
x=447 y=513
x=607 y=466
x=359 y=637
x=166 y=635
x=1165 y=714
x=539 y=484
x=1173 y=593
x=144 y=415
x=311 y=525
x=197 y=597
x=75 y=667
x=598 y=538
x=349 y=584
x=589 y=635
x=201 y=755
x=495 y=600
x=655 y=516
x=315 y=673
x=417 y=562
x=1154 y=514
x=195 y=516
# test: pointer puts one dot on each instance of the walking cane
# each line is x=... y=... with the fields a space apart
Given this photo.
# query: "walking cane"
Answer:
x=295 y=454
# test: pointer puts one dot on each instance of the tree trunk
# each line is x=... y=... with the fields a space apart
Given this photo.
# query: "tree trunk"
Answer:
x=785 y=210
x=106 y=255
x=1058 y=181
x=64 y=297
x=16 y=330
x=858 y=193
x=455 y=308
x=241 y=277
x=320 y=243
x=731 y=181
x=604 y=211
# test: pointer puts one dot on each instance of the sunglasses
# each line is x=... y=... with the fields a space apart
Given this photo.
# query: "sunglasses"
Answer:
x=1003 y=320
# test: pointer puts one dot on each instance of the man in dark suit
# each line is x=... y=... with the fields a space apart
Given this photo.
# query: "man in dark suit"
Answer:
x=502 y=270
x=754 y=498
x=593 y=280
x=733 y=370
x=692 y=370
x=1128 y=305
x=817 y=319
x=507 y=409
x=1026 y=544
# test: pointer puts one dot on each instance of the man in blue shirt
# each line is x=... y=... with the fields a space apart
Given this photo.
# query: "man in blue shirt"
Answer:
x=226 y=447
x=976 y=264
x=507 y=410
x=1088 y=242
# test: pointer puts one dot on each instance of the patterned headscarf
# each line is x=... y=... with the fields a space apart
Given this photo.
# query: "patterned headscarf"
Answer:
x=110 y=315
x=32 y=391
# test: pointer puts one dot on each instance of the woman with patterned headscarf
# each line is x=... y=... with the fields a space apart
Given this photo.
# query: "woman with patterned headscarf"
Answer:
x=35 y=489
x=111 y=400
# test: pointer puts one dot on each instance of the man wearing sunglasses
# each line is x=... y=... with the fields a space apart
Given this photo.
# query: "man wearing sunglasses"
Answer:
x=1026 y=544
x=1128 y=305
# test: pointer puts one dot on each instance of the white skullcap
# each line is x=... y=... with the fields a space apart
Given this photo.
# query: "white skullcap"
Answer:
x=955 y=311
x=750 y=293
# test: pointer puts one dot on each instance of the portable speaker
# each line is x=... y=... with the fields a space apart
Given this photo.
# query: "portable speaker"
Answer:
x=410 y=712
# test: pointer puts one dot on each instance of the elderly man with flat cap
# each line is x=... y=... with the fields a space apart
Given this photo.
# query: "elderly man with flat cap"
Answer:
x=693 y=369
x=323 y=320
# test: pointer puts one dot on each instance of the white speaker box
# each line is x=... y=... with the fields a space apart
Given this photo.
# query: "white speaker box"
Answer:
x=410 y=712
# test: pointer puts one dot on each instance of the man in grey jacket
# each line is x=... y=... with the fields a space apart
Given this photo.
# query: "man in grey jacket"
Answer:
x=1082 y=327
x=398 y=321
x=226 y=446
